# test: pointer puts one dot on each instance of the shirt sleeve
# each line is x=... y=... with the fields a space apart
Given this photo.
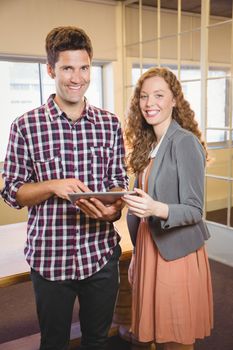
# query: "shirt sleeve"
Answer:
x=117 y=174
x=17 y=166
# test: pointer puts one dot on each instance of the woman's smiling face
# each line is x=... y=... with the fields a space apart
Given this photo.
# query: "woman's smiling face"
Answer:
x=156 y=102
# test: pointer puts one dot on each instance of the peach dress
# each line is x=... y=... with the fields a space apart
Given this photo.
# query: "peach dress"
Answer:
x=171 y=300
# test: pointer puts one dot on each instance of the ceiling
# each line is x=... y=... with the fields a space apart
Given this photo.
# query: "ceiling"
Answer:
x=221 y=8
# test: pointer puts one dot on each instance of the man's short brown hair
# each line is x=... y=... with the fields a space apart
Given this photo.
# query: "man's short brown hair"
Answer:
x=66 y=38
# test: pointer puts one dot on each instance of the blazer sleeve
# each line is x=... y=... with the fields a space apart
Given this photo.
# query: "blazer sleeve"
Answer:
x=190 y=162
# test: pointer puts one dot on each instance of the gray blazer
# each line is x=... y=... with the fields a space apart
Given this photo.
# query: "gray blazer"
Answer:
x=177 y=179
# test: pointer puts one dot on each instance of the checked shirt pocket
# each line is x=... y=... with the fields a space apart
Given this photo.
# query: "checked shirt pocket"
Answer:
x=47 y=164
x=100 y=158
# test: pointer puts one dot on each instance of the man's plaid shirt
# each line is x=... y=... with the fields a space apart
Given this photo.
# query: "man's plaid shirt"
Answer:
x=63 y=243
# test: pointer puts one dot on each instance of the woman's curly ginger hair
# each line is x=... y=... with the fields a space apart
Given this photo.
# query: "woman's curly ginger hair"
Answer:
x=140 y=137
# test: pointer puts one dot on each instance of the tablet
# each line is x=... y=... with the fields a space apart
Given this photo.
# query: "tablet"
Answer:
x=105 y=197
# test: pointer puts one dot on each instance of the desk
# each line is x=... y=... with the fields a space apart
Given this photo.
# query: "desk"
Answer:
x=13 y=267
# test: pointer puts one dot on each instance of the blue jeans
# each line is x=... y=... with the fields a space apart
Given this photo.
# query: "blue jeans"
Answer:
x=97 y=296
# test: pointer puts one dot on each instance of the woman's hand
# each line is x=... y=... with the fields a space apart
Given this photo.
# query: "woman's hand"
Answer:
x=144 y=206
x=131 y=270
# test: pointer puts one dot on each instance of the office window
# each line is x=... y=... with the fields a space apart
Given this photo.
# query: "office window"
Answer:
x=26 y=85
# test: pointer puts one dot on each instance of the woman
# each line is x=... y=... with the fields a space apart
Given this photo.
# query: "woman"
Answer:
x=169 y=271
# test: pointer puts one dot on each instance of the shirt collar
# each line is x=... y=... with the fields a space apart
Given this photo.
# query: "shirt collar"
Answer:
x=54 y=112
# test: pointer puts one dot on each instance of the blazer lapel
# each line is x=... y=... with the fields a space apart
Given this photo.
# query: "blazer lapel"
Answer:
x=159 y=156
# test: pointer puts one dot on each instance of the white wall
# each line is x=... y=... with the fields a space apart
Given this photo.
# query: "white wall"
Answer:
x=24 y=25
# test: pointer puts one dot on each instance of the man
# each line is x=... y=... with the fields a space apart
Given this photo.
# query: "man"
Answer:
x=64 y=146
